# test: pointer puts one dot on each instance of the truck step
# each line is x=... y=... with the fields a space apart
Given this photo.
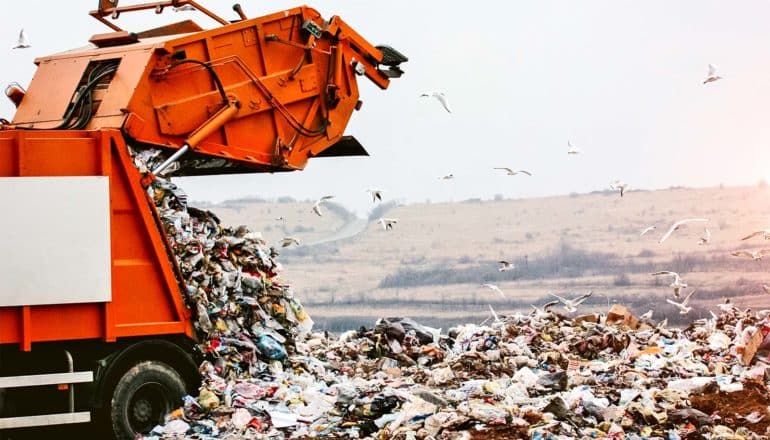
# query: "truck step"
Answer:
x=36 y=380
x=45 y=420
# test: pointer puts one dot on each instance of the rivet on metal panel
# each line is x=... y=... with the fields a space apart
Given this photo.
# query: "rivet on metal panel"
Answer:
x=281 y=82
x=249 y=37
x=255 y=103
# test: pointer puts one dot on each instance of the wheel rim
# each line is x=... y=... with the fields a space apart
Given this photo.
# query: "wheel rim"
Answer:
x=149 y=404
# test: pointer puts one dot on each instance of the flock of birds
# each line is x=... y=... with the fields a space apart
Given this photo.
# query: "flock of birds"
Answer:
x=570 y=305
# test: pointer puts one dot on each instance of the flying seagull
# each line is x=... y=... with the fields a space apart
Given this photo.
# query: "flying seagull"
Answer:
x=512 y=172
x=317 y=205
x=648 y=229
x=678 y=225
x=440 y=96
x=506 y=266
x=619 y=186
x=571 y=305
x=288 y=241
x=376 y=194
x=677 y=283
x=765 y=233
x=447 y=177
x=280 y=219
x=682 y=306
x=22 y=41
x=647 y=315
x=387 y=223
x=712 y=75
x=494 y=288
x=706 y=237
x=754 y=255
x=571 y=149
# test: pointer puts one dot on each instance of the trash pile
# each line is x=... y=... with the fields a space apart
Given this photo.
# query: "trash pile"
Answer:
x=541 y=375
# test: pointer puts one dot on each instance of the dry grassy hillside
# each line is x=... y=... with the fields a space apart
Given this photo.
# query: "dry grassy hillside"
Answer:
x=431 y=265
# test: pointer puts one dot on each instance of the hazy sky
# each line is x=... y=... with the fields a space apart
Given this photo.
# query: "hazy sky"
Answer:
x=620 y=79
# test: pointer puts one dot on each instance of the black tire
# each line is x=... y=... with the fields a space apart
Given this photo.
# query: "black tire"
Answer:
x=142 y=397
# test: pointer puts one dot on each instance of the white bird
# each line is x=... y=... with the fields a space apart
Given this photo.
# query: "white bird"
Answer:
x=766 y=288
x=387 y=223
x=647 y=229
x=571 y=305
x=447 y=177
x=683 y=309
x=184 y=8
x=440 y=96
x=288 y=241
x=494 y=288
x=712 y=75
x=706 y=237
x=571 y=149
x=280 y=219
x=647 y=315
x=317 y=205
x=765 y=233
x=376 y=194
x=619 y=186
x=512 y=172
x=506 y=266
x=22 y=41
x=754 y=255
x=676 y=284
x=678 y=225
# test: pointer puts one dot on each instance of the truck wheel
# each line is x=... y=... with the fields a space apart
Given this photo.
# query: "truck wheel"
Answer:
x=142 y=397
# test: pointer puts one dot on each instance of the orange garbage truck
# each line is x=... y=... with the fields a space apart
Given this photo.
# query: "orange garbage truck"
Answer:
x=93 y=320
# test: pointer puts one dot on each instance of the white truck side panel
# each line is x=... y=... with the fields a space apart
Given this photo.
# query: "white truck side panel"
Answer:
x=54 y=240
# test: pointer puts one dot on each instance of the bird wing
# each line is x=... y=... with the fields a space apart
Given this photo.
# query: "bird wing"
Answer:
x=317 y=210
x=324 y=198
x=444 y=101
x=557 y=296
x=766 y=288
x=549 y=304
x=648 y=229
x=687 y=298
x=22 y=37
x=672 y=302
x=678 y=224
x=524 y=172
x=579 y=300
x=504 y=262
x=665 y=272
x=753 y=234
x=742 y=254
x=668 y=233
x=707 y=233
x=712 y=70
x=509 y=170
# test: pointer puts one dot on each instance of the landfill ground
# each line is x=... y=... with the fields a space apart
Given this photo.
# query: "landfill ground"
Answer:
x=551 y=373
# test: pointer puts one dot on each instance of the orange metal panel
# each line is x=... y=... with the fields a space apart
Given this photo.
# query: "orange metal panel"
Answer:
x=146 y=299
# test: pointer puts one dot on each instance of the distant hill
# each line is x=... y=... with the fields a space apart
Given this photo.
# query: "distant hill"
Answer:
x=432 y=263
